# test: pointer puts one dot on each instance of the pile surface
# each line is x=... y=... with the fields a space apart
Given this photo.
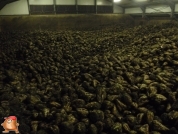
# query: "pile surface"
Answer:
x=92 y=82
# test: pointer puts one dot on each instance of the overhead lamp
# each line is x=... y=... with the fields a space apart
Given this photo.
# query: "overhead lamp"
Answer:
x=140 y=0
x=117 y=0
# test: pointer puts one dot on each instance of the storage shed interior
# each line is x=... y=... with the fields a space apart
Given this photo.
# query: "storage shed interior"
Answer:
x=89 y=66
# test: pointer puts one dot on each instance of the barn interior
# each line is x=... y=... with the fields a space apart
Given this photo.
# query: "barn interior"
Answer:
x=89 y=66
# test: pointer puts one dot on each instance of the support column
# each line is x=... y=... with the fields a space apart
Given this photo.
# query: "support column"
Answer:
x=123 y=10
x=96 y=6
x=143 y=11
x=1 y=25
x=54 y=4
x=172 y=6
x=112 y=6
x=76 y=4
x=28 y=4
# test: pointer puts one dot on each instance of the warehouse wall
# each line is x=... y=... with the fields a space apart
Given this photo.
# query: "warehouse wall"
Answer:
x=133 y=10
x=15 y=8
x=102 y=2
x=21 y=7
x=176 y=8
x=118 y=9
x=65 y=2
x=41 y=2
x=158 y=9
x=151 y=9
x=85 y=2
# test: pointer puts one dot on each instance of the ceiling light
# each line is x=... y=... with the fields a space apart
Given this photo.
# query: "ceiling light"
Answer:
x=140 y=0
x=117 y=0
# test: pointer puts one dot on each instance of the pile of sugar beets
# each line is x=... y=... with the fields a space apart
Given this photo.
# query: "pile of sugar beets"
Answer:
x=107 y=81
